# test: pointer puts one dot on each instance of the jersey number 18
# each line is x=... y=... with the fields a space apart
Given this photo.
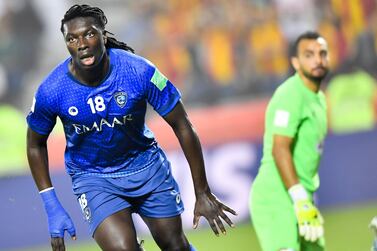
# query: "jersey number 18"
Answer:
x=96 y=105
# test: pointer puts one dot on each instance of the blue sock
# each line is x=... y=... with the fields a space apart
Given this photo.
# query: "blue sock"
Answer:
x=192 y=248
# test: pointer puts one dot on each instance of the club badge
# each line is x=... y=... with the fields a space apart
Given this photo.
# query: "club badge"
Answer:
x=120 y=99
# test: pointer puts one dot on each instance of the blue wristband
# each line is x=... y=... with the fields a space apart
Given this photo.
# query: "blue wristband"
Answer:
x=58 y=219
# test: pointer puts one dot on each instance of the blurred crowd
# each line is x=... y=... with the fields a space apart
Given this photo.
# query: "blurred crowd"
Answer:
x=212 y=50
x=215 y=50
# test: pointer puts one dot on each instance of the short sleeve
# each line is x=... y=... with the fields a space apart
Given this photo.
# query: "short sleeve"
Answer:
x=42 y=115
x=161 y=94
x=284 y=112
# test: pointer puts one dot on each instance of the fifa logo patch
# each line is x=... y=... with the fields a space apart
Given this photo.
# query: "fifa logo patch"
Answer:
x=120 y=99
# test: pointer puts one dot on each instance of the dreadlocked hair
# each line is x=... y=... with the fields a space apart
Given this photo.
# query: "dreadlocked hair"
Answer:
x=85 y=10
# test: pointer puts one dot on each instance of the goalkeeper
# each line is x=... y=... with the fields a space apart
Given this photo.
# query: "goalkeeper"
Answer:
x=282 y=209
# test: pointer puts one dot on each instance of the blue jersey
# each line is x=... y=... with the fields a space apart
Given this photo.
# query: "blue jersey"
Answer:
x=104 y=125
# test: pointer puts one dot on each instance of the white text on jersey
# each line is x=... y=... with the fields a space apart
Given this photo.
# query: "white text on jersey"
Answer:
x=80 y=129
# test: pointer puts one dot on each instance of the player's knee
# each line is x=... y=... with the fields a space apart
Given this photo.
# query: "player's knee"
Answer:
x=124 y=246
x=177 y=247
x=176 y=244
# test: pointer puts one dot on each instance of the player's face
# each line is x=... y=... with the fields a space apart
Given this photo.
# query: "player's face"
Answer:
x=312 y=59
x=85 y=41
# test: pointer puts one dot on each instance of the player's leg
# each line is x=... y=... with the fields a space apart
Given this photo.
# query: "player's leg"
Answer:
x=117 y=232
x=168 y=233
x=108 y=214
x=273 y=219
x=275 y=231
x=161 y=210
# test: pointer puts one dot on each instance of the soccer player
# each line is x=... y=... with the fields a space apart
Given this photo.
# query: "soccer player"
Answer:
x=281 y=197
x=100 y=94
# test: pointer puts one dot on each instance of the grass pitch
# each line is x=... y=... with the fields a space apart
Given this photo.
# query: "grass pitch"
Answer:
x=346 y=229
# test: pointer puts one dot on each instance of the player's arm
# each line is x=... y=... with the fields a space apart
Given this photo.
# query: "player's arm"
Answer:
x=38 y=159
x=282 y=153
x=207 y=204
x=58 y=219
x=308 y=217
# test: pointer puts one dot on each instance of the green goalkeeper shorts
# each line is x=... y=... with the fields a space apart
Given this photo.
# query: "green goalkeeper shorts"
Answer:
x=274 y=220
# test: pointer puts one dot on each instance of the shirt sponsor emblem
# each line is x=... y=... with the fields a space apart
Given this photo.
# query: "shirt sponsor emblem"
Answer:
x=103 y=123
x=281 y=118
x=120 y=99
x=73 y=111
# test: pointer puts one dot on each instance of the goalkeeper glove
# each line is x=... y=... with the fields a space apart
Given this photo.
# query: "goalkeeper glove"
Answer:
x=58 y=219
x=309 y=219
x=373 y=225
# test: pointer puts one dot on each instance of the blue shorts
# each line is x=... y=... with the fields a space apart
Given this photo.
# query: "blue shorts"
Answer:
x=151 y=193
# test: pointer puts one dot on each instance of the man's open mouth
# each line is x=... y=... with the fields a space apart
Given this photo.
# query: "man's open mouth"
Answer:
x=87 y=60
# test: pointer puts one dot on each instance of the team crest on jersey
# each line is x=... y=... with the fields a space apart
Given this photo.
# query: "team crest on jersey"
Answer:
x=120 y=99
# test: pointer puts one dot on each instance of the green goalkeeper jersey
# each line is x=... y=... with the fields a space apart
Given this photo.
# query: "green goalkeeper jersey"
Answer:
x=295 y=111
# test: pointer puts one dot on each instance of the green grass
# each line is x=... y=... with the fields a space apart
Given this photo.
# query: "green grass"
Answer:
x=345 y=229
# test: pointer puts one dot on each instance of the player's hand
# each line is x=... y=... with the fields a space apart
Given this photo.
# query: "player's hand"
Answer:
x=310 y=221
x=58 y=220
x=208 y=206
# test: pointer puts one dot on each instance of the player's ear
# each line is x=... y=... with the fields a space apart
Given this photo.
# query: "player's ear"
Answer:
x=295 y=63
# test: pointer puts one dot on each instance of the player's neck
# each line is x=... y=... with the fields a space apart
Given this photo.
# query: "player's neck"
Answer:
x=94 y=75
x=311 y=84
